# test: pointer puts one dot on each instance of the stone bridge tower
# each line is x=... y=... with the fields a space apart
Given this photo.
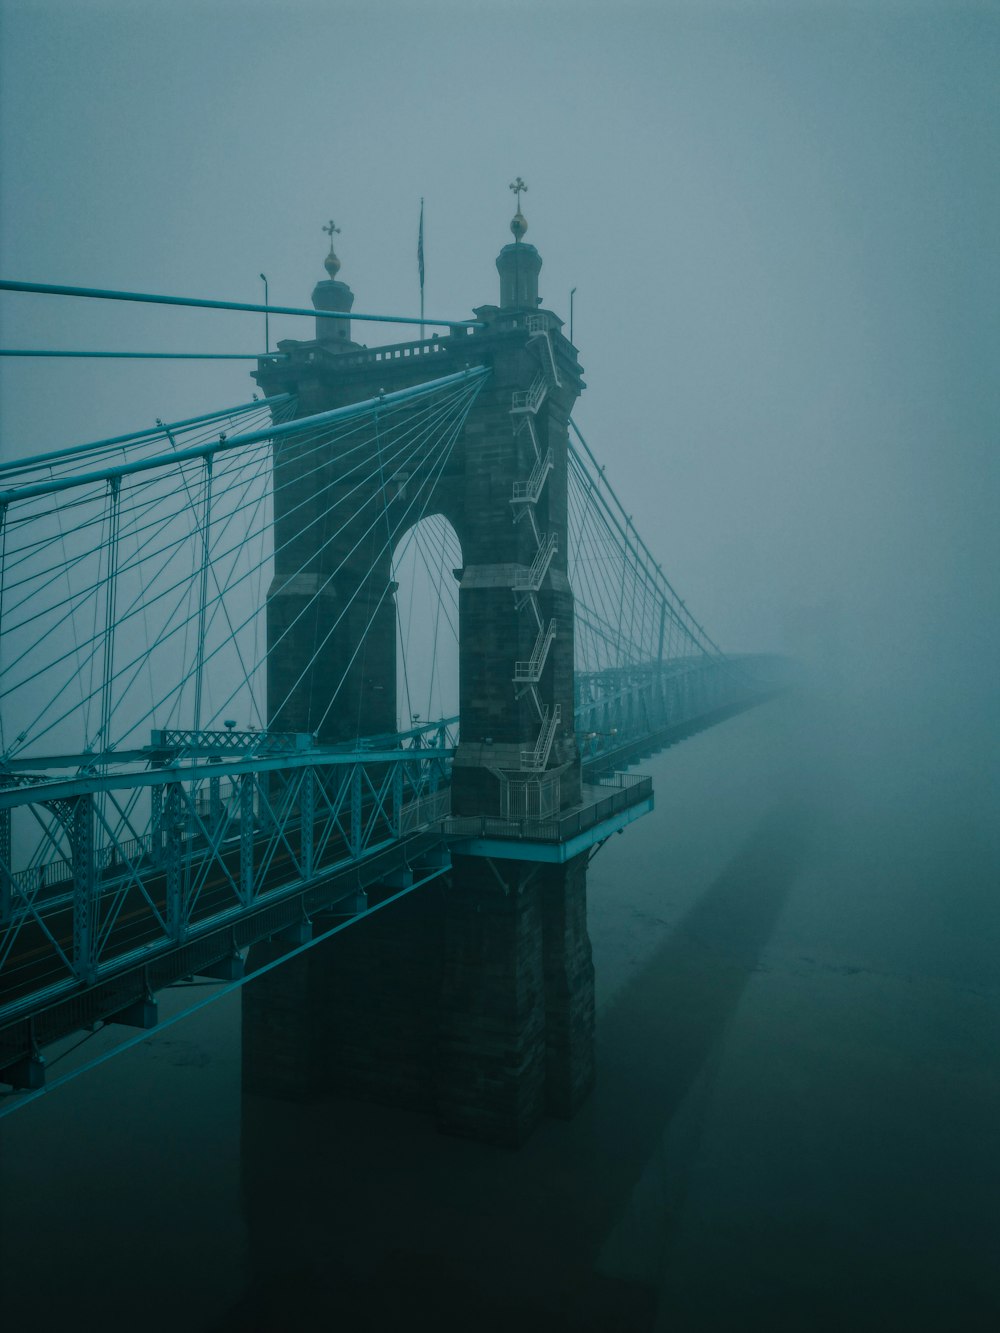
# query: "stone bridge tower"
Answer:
x=514 y=982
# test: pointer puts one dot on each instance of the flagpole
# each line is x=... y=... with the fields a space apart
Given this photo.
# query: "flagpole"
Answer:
x=420 y=265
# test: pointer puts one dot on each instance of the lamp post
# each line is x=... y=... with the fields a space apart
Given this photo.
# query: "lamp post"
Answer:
x=571 y=295
x=267 y=332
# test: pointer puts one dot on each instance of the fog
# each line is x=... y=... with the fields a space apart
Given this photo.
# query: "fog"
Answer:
x=781 y=223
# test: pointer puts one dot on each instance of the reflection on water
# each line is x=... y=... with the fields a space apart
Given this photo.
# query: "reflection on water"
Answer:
x=793 y=1124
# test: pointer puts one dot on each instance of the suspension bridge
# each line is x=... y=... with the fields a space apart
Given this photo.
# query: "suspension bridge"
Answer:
x=212 y=753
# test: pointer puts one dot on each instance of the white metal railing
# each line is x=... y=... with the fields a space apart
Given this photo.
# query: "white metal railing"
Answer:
x=534 y=761
x=426 y=810
x=531 y=579
x=530 y=400
x=531 y=798
x=556 y=826
x=544 y=334
x=527 y=492
x=531 y=670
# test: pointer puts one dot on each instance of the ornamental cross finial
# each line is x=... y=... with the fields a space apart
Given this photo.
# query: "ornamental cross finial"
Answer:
x=331 y=263
x=518 y=186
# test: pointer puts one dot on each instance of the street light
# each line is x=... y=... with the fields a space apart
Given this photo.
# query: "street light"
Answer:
x=571 y=295
x=267 y=333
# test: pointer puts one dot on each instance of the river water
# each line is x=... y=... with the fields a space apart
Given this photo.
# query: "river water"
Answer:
x=796 y=1123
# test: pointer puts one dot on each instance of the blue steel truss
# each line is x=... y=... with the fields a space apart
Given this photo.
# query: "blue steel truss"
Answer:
x=217 y=840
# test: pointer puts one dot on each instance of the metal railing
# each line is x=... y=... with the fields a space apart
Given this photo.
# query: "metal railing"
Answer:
x=537 y=323
x=530 y=579
x=531 y=670
x=534 y=761
x=230 y=741
x=531 y=399
x=542 y=331
x=625 y=791
x=424 y=812
x=527 y=492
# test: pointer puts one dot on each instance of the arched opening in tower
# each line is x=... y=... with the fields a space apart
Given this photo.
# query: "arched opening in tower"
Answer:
x=425 y=566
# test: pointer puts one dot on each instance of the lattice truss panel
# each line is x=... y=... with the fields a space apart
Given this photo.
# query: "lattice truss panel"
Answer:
x=223 y=839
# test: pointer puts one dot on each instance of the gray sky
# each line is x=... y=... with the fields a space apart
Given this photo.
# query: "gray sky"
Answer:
x=781 y=220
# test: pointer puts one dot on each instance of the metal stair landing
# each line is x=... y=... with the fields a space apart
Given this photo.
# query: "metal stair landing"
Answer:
x=530 y=672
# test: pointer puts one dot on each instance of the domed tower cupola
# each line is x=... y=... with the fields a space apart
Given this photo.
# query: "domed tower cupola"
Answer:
x=519 y=264
x=333 y=295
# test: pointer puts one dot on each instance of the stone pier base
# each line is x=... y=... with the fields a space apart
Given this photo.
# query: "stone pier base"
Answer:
x=569 y=988
x=355 y=1015
x=491 y=1054
x=472 y=999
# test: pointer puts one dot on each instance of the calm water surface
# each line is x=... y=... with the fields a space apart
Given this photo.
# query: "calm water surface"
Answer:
x=795 y=1124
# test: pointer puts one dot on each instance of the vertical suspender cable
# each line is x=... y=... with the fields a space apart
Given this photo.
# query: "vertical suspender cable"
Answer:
x=110 y=598
x=621 y=596
x=206 y=519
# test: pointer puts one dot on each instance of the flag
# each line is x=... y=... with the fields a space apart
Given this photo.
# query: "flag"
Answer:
x=420 y=247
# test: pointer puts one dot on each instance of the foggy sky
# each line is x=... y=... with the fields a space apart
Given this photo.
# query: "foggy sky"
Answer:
x=780 y=219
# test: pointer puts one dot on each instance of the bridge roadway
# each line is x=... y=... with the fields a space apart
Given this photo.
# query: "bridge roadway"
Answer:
x=42 y=1004
x=289 y=910
x=300 y=894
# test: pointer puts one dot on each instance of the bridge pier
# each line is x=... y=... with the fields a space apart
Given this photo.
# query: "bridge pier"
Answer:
x=517 y=1010
x=279 y=1055
x=492 y=1065
x=474 y=1003
x=356 y=1015
x=569 y=987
